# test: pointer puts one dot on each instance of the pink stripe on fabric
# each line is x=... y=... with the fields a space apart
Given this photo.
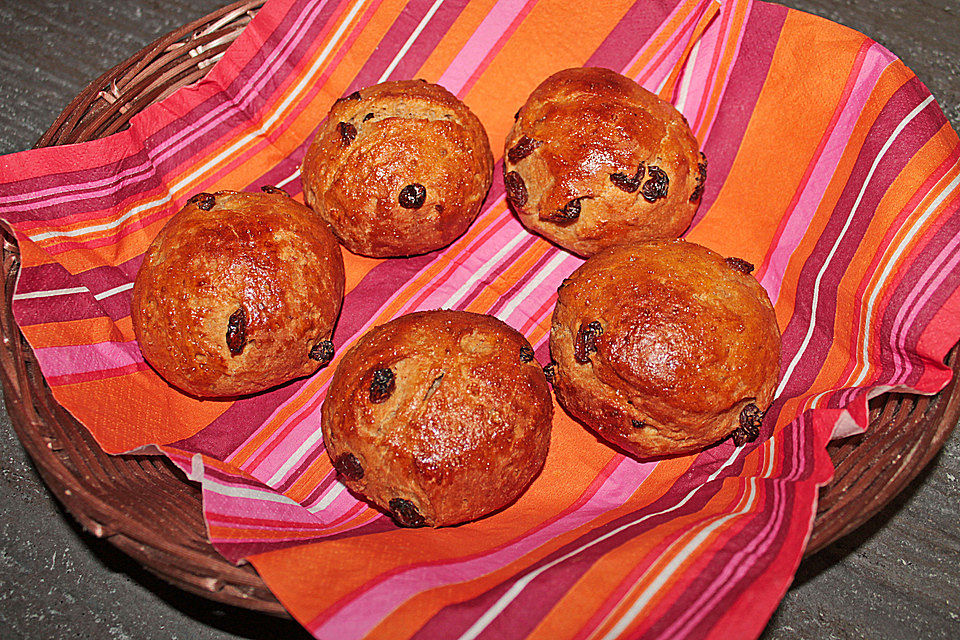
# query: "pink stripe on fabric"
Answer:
x=719 y=40
x=670 y=47
x=251 y=90
x=735 y=567
x=368 y=607
x=661 y=65
x=935 y=274
x=59 y=361
x=487 y=33
x=821 y=170
x=59 y=195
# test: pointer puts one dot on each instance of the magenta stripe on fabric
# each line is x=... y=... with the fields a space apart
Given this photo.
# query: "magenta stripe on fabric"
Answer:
x=636 y=27
x=852 y=223
x=747 y=77
x=232 y=428
x=541 y=594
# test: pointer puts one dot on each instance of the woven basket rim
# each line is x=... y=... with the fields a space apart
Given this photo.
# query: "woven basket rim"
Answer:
x=906 y=431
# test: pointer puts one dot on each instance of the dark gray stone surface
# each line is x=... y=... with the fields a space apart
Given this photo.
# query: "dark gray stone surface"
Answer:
x=897 y=577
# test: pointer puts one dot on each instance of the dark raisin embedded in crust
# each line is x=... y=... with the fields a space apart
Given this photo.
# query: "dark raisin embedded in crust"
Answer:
x=637 y=424
x=322 y=352
x=413 y=196
x=526 y=354
x=751 y=419
x=348 y=133
x=630 y=184
x=367 y=117
x=586 y=341
x=524 y=147
x=269 y=188
x=571 y=210
x=381 y=386
x=348 y=466
x=701 y=178
x=739 y=264
x=353 y=96
x=516 y=116
x=237 y=331
x=405 y=513
x=656 y=186
x=550 y=371
x=516 y=189
x=204 y=201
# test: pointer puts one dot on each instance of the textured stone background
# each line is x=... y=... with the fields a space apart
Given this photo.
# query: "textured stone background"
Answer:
x=897 y=577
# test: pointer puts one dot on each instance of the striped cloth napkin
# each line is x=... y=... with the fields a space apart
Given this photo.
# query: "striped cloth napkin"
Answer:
x=831 y=168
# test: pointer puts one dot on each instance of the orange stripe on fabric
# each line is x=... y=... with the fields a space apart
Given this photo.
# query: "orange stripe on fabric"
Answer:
x=501 y=90
x=76 y=332
x=762 y=179
x=571 y=447
x=164 y=415
x=875 y=253
x=669 y=85
x=723 y=59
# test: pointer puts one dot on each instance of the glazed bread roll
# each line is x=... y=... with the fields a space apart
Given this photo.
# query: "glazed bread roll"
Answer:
x=398 y=169
x=238 y=293
x=438 y=417
x=665 y=347
x=594 y=160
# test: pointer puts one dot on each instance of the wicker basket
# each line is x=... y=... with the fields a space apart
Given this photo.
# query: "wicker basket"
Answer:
x=146 y=507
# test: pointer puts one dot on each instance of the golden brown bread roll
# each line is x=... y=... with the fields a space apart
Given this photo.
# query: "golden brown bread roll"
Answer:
x=665 y=347
x=594 y=159
x=239 y=292
x=398 y=169
x=438 y=417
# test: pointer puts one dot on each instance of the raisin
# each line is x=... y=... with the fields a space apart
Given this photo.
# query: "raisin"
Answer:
x=637 y=424
x=348 y=133
x=269 y=188
x=657 y=186
x=570 y=211
x=237 y=331
x=413 y=196
x=739 y=264
x=526 y=354
x=522 y=149
x=367 y=117
x=322 y=352
x=516 y=189
x=353 y=96
x=516 y=116
x=204 y=201
x=751 y=419
x=550 y=371
x=381 y=386
x=701 y=178
x=586 y=342
x=630 y=184
x=348 y=466
x=405 y=513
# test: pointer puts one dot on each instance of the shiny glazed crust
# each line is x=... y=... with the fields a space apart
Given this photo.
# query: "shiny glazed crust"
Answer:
x=686 y=342
x=460 y=432
x=379 y=141
x=594 y=159
x=263 y=253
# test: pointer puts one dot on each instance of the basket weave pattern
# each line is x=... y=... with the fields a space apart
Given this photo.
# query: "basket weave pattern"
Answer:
x=146 y=507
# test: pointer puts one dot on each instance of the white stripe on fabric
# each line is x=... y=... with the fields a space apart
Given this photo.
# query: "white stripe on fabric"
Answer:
x=833 y=250
x=535 y=282
x=50 y=293
x=497 y=608
x=114 y=291
x=413 y=36
x=664 y=576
